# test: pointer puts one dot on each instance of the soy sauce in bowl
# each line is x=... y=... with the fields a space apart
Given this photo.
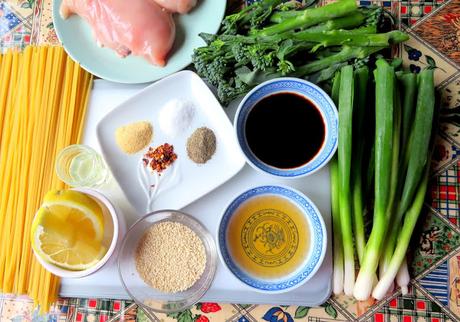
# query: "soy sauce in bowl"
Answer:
x=285 y=130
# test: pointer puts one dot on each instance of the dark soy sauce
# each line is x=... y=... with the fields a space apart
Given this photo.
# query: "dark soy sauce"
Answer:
x=285 y=130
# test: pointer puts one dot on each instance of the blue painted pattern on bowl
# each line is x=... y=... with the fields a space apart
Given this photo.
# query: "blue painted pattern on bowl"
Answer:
x=317 y=248
x=299 y=86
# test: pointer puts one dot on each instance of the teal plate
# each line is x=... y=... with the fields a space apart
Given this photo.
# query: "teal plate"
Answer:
x=78 y=41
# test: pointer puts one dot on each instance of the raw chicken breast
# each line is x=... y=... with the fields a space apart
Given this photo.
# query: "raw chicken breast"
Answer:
x=140 y=27
x=180 y=6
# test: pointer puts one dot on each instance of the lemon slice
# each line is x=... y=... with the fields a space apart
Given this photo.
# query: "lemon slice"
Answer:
x=77 y=210
x=68 y=230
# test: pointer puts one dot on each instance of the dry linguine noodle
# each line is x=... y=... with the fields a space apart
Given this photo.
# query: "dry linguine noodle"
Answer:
x=43 y=100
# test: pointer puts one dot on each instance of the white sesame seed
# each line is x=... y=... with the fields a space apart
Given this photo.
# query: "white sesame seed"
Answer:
x=170 y=257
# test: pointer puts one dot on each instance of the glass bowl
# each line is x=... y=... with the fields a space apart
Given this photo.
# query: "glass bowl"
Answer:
x=143 y=294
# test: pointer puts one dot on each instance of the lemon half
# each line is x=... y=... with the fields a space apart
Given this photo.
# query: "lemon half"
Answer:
x=68 y=230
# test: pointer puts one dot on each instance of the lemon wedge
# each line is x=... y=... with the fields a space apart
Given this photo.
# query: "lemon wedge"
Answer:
x=68 y=230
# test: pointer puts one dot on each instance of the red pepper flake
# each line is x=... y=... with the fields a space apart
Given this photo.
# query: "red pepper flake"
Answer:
x=160 y=158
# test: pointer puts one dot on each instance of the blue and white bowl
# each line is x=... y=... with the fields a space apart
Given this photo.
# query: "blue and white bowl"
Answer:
x=314 y=94
x=313 y=259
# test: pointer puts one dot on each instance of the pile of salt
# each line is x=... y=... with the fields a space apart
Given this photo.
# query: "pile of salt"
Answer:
x=175 y=117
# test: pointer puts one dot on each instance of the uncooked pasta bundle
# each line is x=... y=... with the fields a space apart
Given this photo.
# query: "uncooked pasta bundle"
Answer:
x=43 y=100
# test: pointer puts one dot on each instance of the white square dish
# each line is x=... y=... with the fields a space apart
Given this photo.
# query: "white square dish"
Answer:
x=192 y=180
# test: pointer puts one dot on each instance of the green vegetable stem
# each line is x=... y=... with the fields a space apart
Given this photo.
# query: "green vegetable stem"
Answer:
x=337 y=287
x=394 y=176
x=384 y=92
x=310 y=17
x=346 y=102
x=397 y=259
x=354 y=19
x=267 y=40
x=415 y=155
x=361 y=90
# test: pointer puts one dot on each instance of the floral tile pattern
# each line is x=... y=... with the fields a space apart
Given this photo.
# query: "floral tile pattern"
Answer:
x=434 y=26
x=9 y=19
x=451 y=94
x=437 y=283
x=442 y=30
x=15 y=23
x=47 y=35
x=445 y=193
x=454 y=284
x=412 y=11
x=450 y=112
x=411 y=308
x=445 y=151
x=437 y=239
x=417 y=55
x=353 y=308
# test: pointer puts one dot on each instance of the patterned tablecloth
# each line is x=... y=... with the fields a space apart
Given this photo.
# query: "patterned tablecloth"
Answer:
x=434 y=27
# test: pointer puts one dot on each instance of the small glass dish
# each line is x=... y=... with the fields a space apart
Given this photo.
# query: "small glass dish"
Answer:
x=143 y=294
x=79 y=165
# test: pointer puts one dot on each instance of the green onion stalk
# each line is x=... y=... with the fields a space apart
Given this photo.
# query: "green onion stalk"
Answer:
x=397 y=260
x=408 y=83
x=416 y=154
x=409 y=86
x=403 y=278
x=346 y=99
x=337 y=281
x=394 y=174
x=338 y=273
x=384 y=101
x=361 y=84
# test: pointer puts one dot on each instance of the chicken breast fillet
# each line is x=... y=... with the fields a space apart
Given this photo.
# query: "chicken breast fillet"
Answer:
x=179 y=6
x=140 y=27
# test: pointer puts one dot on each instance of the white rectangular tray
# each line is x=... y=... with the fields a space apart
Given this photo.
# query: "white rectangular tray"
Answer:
x=225 y=288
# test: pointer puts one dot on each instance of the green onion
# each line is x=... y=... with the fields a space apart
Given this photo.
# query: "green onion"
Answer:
x=337 y=282
x=416 y=153
x=346 y=98
x=394 y=176
x=361 y=89
x=384 y=92
x=409 y=85
x=403 y=278
x=411 y=217
x=338 y=250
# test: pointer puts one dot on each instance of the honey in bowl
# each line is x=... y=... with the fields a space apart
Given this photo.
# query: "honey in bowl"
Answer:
x=268 y=237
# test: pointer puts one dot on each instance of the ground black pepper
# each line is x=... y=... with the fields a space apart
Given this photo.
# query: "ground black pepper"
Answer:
x=201 y=145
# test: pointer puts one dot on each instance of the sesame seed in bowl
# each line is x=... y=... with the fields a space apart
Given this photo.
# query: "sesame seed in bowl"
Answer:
x=170 y=257
x=167 y=261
